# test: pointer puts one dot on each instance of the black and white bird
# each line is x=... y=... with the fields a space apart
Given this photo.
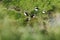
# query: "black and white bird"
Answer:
x=43 y=11
x=36 y=9
x=32 y=15
x=34 y=12
x=26 y=13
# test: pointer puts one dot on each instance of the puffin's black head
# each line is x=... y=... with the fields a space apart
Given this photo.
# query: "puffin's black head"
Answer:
x=32 y=15
x=36 y=8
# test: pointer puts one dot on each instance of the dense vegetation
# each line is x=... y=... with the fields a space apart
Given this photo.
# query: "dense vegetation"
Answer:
x=14 y=26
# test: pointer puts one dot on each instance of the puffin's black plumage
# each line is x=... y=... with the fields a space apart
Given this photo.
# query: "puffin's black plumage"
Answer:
x=26 y=13
x=32 y=15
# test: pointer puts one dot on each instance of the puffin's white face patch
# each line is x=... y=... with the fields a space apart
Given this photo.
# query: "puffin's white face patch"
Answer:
x=36 y=9
x=24 y=13
x=33 y=16
x=43 y=12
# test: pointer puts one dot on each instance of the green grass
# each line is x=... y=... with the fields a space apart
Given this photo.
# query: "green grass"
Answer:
x=14 y=27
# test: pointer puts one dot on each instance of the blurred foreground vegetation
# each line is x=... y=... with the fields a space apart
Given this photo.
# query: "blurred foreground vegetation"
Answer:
x=14 y=27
